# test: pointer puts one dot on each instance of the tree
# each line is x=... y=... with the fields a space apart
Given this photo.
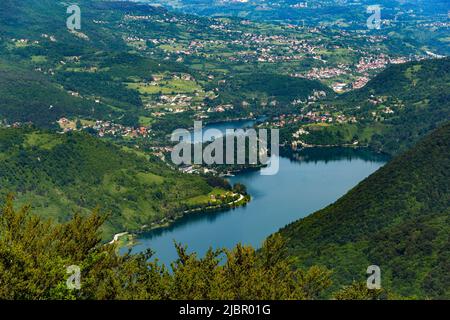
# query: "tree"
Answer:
x=35 y=254
x=240 y=188
x=359 y=291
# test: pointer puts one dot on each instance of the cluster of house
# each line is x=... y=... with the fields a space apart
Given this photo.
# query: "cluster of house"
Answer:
x=316 y=95
x=24 y=42
x=274 y=48
x=46 y=71
x=310 y=117
x=175 y=103
x=364 y=65
x=376 y=100
x=327 y=117
x=372 y=63
x=379 y=62
x=105 y=128
x=299 y=132
x=160 y=152
x=438 y=24
x=221 y=108
x=49 y=37
x=360 y=82
x=260 y=47
x=197 y=169
x=137 y=18
x=6 y=124
x=327 y=73
x=318 y=117
x=380 y=114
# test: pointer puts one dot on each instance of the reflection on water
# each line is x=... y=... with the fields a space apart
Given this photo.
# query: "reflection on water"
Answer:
x=336 y=153
x=185 y=221
x=300 y=188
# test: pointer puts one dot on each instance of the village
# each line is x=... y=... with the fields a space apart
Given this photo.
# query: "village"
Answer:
x=245 y=45
x=103 y=128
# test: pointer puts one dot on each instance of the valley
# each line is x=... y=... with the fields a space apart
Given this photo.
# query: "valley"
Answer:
x=302 y=186
x=88 y=178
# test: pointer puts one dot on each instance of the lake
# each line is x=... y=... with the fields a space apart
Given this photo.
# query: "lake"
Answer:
x=220 y=128
x=311 y=181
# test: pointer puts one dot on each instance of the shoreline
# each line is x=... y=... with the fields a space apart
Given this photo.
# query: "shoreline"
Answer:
x=242 y=201
x=220 y=121
x=165 y=222
x=330 y=146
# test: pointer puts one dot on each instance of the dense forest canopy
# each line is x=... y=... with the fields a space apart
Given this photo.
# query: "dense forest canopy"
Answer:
x=398 y=219
x=35 y=256
x=84 y=123
x=395 y=109
x=75 y=172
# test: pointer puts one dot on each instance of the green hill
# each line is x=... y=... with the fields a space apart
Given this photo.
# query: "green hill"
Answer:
x=130 y=60
x=42 y=64
x=417 y=93
x=28 y=96
x=398 y=219
x=395 y=109
x=62 y=174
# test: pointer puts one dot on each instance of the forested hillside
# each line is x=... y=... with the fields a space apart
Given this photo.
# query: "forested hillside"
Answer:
x=420 y=90
x=122 y=65
x=35 y=254
x=394 y=110
x=85 y=117
x=59 y=175
x=28 y=96
x=37 y=84
x=398 y=219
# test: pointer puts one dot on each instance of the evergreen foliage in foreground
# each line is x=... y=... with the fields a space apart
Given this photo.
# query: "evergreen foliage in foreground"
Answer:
x=398 y=219
x=35 y=254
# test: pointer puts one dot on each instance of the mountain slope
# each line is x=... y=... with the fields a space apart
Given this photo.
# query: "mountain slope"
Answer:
x=394 y=110
x=43 y=64
x=292 y=11
x=419 y=95
x=133 y=60
x=28 y=96
x=398 y=219
x=62 y=174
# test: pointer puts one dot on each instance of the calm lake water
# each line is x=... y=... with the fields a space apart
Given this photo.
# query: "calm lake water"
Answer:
x=314 y=180
x=219 y=130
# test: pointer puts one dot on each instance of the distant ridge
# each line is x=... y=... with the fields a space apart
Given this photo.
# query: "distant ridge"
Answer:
x=398 y=219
